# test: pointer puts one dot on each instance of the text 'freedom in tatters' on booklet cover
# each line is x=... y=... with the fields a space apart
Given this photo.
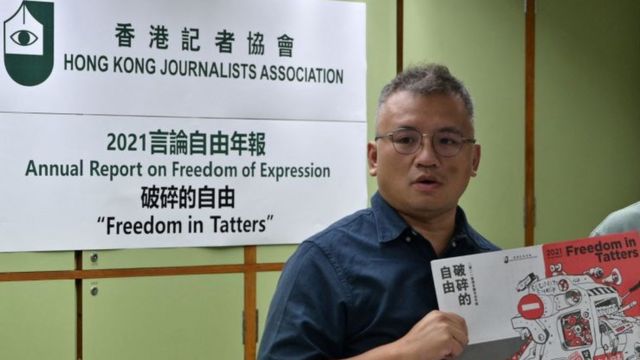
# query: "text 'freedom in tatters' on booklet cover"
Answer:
x=575 y=300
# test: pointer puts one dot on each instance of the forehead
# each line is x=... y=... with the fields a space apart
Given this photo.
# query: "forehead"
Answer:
x=424 y=112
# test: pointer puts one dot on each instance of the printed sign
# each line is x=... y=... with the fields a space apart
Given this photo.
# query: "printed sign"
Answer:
x=128 y=124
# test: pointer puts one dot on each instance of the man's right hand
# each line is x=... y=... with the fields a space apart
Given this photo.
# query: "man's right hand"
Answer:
x=437 y=336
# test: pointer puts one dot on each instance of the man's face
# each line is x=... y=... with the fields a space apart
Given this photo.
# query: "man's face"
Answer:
x=422 y=184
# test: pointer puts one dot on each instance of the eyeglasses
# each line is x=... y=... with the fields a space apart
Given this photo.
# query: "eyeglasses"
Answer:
x=408 y=141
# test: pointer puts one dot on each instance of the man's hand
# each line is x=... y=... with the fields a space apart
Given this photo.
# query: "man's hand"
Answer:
x=437 y=336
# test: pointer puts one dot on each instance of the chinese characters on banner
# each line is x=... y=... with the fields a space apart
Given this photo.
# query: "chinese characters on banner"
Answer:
x=172 y=124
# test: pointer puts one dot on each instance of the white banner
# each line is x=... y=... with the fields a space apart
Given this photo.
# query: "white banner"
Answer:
x=127 y=124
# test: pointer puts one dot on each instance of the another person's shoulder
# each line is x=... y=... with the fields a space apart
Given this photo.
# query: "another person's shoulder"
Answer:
x=621 y=220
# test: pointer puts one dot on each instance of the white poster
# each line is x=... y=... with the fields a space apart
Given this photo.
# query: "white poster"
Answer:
x=130 y=124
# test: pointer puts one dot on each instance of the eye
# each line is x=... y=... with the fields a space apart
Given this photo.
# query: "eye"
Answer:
x=448 y=139
x=405 y=137
x=24 y=37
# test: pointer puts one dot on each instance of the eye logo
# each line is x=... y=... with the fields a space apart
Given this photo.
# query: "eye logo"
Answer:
x=28 y=43
x=24 y=37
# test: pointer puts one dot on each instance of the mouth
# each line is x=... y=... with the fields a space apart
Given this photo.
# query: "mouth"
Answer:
x=426 y=182
x=427 y=179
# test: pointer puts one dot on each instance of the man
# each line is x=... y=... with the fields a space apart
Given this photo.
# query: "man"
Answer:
x=621 y=220
x=363 y=287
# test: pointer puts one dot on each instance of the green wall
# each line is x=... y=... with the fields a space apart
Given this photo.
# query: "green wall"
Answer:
x=587 y=131
x=37 y=320
x=587 y=114
x=482 y=42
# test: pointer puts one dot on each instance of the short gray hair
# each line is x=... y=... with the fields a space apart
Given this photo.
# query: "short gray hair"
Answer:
x=426 y=80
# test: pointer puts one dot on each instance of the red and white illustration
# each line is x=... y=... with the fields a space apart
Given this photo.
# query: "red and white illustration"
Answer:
x=577 y=317
x=572 y=300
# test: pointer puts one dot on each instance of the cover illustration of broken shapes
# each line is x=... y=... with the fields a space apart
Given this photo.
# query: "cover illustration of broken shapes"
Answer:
x=574 y=300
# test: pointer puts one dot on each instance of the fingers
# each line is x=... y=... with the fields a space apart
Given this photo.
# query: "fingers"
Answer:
x=456 y=348
x=451 y=330
x=458 y=328
x=438 y=335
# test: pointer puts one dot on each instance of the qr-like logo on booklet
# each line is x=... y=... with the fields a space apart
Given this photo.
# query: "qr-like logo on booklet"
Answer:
x=518 y=257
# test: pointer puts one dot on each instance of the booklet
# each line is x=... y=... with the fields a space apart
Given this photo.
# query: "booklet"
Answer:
x=574 y=300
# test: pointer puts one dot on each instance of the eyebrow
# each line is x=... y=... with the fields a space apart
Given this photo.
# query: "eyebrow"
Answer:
x=447 y=129
x=450 y=129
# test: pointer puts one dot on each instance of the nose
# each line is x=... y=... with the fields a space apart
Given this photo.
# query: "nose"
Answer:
x=426 y=155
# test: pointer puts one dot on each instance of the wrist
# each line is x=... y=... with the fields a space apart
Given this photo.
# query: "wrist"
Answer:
x=395 y=350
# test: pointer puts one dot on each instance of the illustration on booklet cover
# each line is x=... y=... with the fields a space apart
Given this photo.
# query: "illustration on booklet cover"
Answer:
x=576 y=317
x=574 y=300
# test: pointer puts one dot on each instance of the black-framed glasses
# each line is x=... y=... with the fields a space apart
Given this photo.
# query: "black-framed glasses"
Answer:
x=445 y=143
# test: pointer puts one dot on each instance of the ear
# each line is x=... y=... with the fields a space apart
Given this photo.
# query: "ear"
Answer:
x=475 y=159
x=372 y=158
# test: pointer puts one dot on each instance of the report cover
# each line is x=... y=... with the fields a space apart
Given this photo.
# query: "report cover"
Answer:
x=574 y=300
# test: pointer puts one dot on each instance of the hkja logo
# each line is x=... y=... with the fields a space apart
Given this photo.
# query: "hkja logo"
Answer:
x=28 y=43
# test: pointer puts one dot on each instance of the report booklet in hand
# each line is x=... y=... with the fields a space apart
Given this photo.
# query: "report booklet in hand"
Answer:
x=575 y=300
